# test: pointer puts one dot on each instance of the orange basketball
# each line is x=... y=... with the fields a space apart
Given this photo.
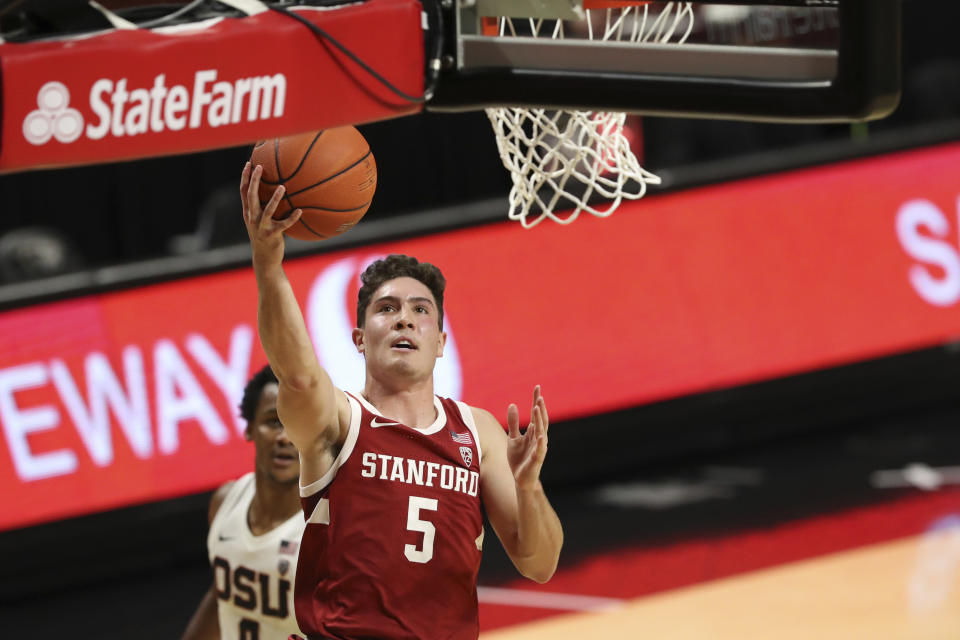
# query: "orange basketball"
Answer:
x=330 y=174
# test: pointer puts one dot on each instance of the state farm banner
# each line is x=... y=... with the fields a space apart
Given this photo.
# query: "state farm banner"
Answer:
x=136 y=93
x=131 y=396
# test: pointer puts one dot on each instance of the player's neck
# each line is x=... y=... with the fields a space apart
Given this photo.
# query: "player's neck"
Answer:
x=272 y=505
x=412 y=404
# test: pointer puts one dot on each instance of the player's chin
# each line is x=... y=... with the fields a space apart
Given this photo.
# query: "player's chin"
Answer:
x=285 y=476
x=400 y=364
x=410 y=363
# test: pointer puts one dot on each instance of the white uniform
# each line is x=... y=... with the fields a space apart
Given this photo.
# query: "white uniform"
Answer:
x=253 y=575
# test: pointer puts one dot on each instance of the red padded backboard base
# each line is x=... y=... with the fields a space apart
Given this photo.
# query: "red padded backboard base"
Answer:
x=131 y=94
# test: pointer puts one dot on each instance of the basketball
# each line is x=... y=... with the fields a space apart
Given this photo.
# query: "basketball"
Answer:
x=330 y=174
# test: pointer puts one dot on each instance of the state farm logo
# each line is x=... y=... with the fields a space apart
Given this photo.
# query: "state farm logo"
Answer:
x=54 y=118
x=121 y=110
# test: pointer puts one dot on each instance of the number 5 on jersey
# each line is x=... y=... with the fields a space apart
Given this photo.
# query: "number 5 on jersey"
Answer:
x=414 y=523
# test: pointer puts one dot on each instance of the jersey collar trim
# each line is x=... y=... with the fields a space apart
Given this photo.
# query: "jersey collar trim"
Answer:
x=438 y=424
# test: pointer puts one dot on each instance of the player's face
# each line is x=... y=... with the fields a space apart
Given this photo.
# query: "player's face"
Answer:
x=401 y=333
x=276 y=456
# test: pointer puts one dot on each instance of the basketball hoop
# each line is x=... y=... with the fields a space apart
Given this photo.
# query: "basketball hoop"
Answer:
x=561 y=159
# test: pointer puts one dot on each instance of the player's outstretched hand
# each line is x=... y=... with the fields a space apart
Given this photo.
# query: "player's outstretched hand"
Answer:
x=526 y=452
x=265 y=231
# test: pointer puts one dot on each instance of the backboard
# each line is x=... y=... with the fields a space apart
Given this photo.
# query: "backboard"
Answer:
x=772 y=60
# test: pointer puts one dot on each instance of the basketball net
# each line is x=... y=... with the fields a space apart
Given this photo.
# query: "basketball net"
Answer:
x=563 y=159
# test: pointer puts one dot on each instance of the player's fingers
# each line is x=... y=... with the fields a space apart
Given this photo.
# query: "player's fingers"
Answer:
x=290 y=220
x=542 y=448
x=536 y=394
x=271 y=207
x=544 y=418
x=244 y=181
x=253 y=195
x=513 y=421
x=244 y=186
x=536 y=424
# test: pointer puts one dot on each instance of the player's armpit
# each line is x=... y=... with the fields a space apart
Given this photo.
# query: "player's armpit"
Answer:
x=317 y=424
x=312 y=413
x=496 y=483
x=524 y=521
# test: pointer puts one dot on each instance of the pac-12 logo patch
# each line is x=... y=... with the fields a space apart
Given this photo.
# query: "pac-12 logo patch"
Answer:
x=54 y=118
x=467 y=454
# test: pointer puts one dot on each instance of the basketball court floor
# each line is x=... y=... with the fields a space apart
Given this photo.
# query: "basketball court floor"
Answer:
x=853 y=535
x=887 y=590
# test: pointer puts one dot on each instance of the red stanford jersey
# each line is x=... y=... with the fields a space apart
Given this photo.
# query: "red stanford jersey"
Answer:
x=392 y=543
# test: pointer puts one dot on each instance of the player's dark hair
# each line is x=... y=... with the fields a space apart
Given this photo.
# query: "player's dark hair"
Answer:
x=251 y=394
x=399 y=266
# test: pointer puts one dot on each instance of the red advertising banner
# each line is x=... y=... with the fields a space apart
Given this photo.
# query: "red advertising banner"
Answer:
x=131 y=396
x=135 y=93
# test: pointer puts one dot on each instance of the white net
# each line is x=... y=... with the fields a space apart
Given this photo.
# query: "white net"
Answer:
x=561 y=161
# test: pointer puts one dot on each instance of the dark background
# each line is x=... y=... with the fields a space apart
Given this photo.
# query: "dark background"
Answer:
x=139 y=572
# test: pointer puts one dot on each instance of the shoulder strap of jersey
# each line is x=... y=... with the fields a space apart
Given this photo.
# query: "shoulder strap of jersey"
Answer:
x=466 y=413
x=235 y=498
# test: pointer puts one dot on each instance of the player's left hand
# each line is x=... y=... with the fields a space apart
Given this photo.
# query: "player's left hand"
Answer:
x=526 y=452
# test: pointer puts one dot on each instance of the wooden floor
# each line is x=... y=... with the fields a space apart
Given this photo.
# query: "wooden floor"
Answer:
x=908 y=589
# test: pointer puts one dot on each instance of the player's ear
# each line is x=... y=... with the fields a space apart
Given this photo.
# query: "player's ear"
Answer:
x=358 y=340
x=248 y=433
x=441 y=343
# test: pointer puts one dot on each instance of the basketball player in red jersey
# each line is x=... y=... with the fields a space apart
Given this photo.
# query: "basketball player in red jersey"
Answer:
x=393 y=479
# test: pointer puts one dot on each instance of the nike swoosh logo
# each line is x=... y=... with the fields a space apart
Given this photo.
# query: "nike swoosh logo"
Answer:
x=224 y=538
x=375 y=424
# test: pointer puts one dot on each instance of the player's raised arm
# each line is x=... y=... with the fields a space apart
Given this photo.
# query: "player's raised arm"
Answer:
x=512 y=494
x=308 y=404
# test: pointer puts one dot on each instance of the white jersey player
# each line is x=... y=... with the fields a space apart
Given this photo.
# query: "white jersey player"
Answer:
x=256 y=523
